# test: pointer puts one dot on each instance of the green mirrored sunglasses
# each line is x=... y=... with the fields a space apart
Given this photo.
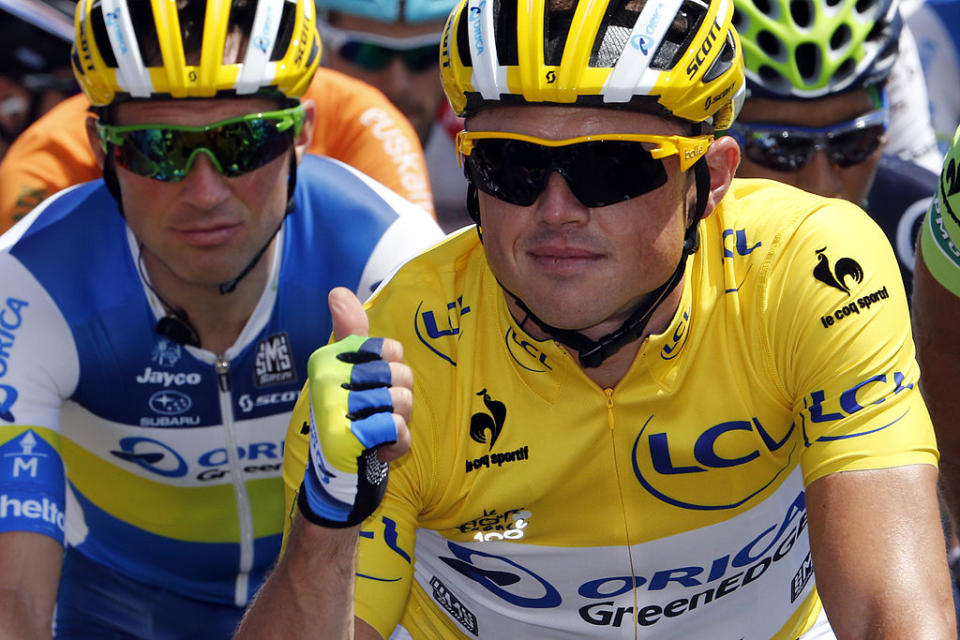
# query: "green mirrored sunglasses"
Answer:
x=236 y=146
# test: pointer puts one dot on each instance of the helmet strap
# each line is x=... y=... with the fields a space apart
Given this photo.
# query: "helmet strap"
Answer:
x=110 y=178
x=592 y=353
x=230 y=285
x=473 y=206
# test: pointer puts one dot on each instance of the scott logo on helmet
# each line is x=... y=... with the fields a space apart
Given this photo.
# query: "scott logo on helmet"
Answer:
x=705 y=48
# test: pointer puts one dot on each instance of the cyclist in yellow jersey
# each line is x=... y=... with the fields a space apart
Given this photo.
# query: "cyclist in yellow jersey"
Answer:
x=936 y=307
x=648 y=400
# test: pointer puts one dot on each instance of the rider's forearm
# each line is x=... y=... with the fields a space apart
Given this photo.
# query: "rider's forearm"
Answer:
x=17 y=619
x=310 y=593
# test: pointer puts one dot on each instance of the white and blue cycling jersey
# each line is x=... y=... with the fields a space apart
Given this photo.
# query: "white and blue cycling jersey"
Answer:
x=155 y=461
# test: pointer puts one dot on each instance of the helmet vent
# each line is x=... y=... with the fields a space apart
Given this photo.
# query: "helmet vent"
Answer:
x=808 y=60
x=505 y=33
x=769 y=44
x=767 y=9
x=770 y=76
x=192 y=19
x=241 y=19
x=555 y=39
x=141 y=15
x=284 y=32
x=864 y=6
x=802 y=13
x=845 y=70
x=722 y=61
x=614 y=33
x=679 y=36
x=739 y=20
x=841 y=37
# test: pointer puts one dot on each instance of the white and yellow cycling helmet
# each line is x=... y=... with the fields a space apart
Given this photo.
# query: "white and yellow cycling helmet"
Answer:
x=138 y=49
x=682 y=55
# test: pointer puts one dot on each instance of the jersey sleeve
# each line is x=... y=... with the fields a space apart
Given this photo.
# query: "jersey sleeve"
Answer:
x=412 y=232
x=359 y=126
x=38 y=370
x=940 y=231
x=838 y=324
x=52 y=154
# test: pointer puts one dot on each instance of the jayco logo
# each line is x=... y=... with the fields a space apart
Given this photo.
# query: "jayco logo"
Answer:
x=837 y=276
x=165 y=378
x=481 y=423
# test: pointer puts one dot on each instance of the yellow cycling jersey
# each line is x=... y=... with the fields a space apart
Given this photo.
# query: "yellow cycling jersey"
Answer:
x=535 y=504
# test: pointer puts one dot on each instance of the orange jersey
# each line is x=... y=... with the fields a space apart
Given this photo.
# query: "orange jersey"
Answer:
x=356 y=124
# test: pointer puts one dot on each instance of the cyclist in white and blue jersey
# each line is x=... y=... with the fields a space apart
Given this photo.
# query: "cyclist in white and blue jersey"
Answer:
x=155 y=325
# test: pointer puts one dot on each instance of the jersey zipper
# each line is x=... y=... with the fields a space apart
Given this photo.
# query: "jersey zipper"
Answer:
x=608 y=393
x=244 y=515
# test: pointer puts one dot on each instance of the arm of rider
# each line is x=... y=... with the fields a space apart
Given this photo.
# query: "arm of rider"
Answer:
x=935 y=313
x=878 y=554
x=311 y=590
x=29 y=575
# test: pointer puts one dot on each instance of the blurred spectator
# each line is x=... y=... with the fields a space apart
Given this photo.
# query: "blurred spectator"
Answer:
x=936 y=27
x=34 y=62
x=911 y=136
x=395 y=46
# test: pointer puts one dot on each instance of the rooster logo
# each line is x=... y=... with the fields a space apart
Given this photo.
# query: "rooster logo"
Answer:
x=481 y=422
x=837 y=276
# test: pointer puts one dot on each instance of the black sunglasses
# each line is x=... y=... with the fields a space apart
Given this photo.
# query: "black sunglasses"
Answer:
x=600 y=170
x=374 y=57
x=790 y=148
x=374 y=52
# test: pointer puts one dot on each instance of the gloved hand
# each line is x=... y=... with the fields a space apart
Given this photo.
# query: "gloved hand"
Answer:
x=351 y=413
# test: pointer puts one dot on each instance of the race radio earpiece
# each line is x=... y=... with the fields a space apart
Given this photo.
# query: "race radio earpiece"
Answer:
x=176 y=325
x=178 y=328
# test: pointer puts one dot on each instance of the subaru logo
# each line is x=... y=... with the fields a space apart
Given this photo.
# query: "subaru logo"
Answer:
x=170 y=403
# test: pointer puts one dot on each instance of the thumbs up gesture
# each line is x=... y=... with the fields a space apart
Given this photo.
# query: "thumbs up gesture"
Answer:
x=360 y=401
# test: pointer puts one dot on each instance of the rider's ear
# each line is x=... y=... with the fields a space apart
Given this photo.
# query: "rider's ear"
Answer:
x=722 y=157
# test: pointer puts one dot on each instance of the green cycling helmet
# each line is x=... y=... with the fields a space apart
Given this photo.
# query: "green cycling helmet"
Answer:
x=816 y=48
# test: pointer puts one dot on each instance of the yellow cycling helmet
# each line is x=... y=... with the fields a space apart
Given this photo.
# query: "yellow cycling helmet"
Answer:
x=682 y=55
x=141 y=49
